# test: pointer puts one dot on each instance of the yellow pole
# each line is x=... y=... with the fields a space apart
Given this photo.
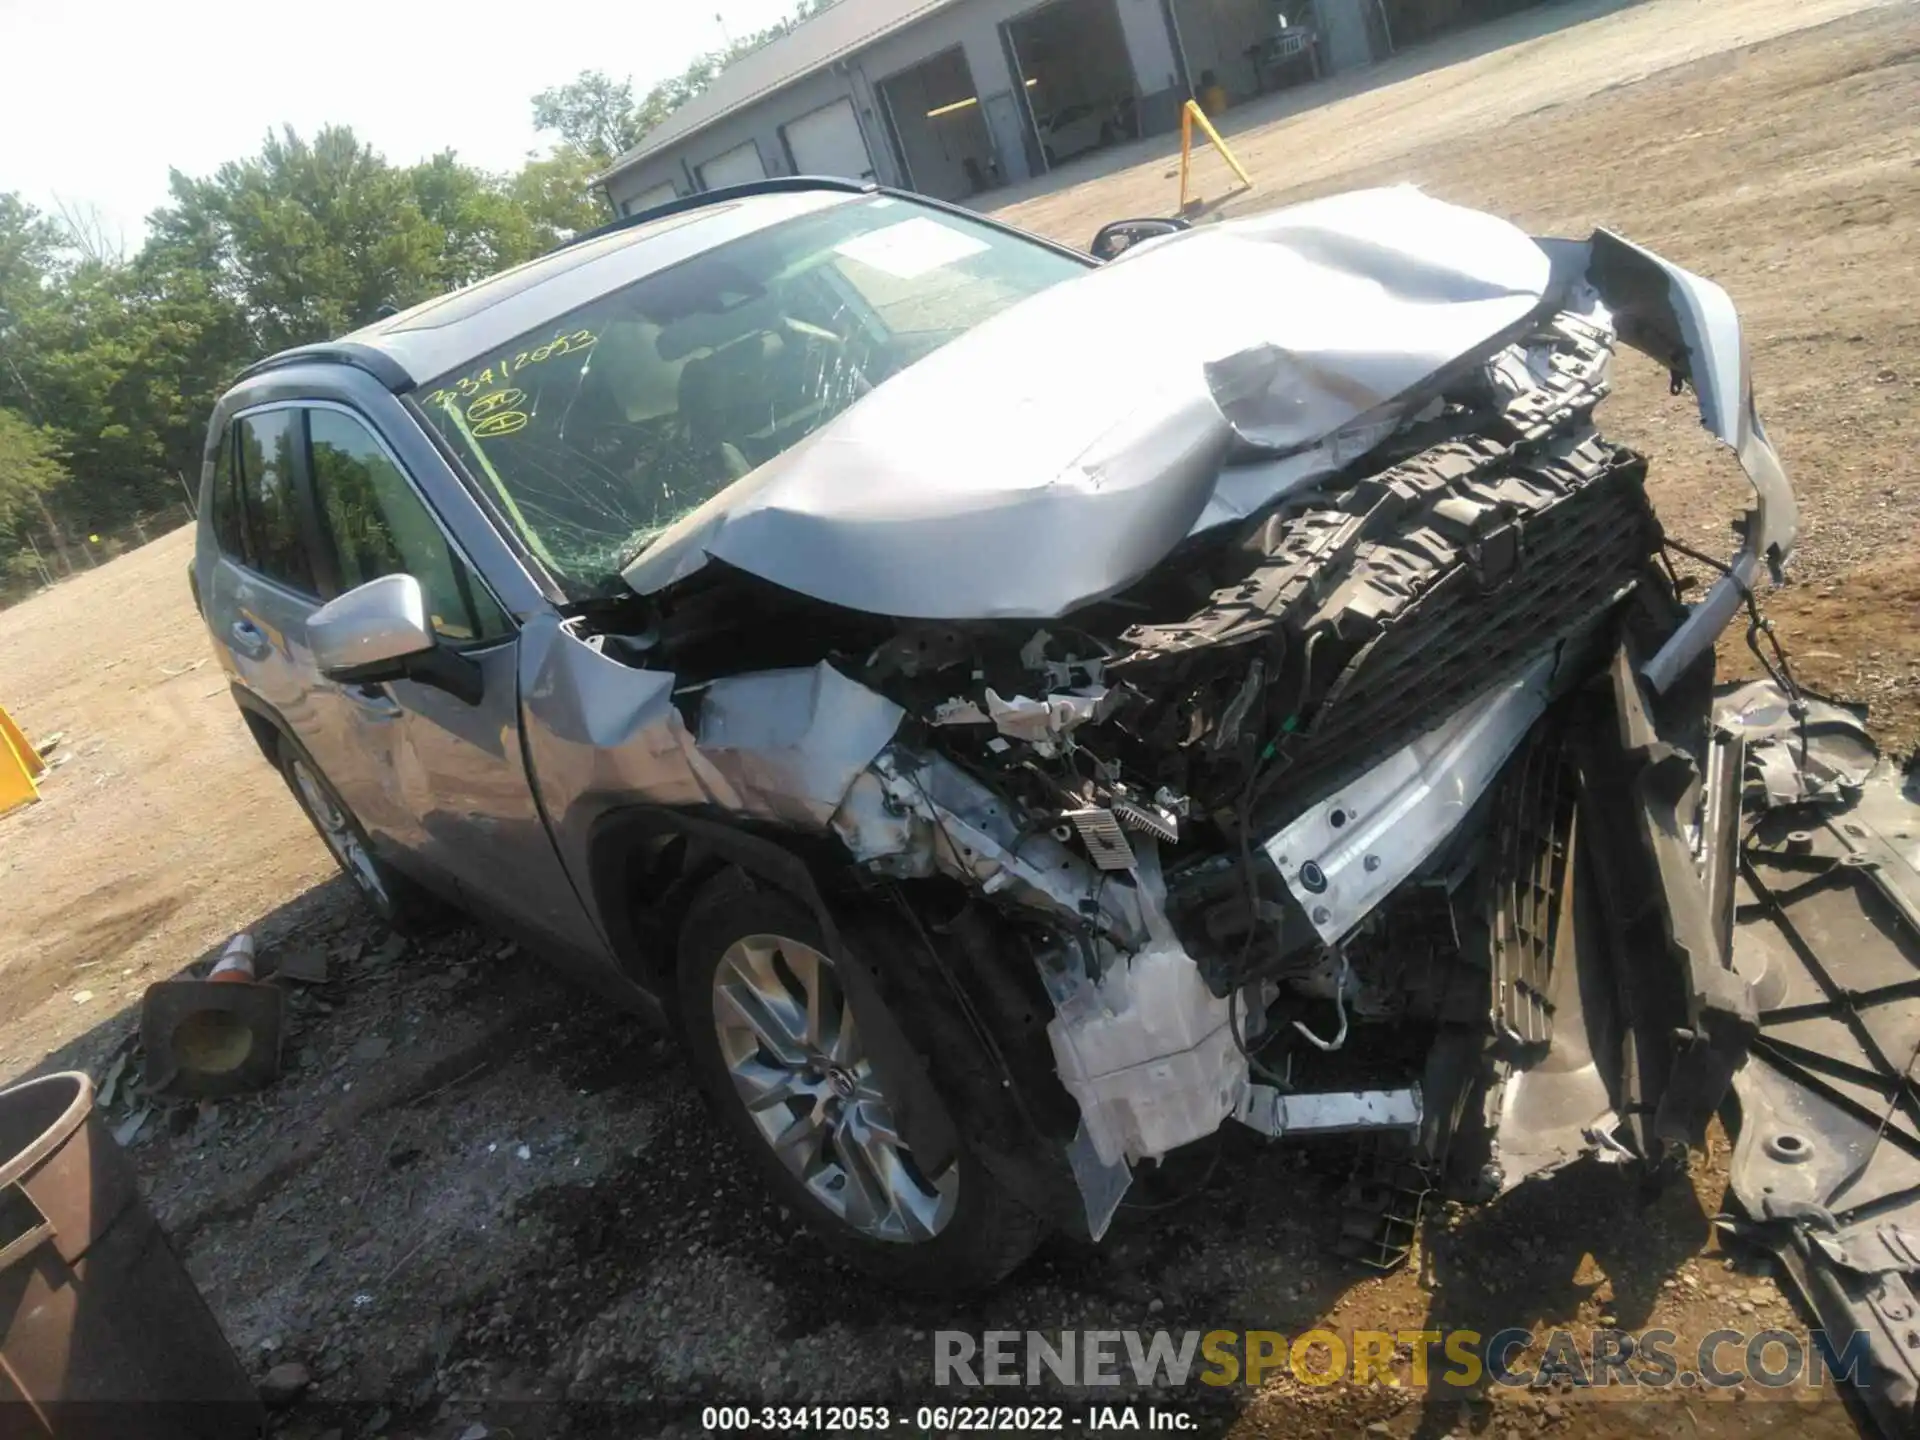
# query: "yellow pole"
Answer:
x=1190 y=115
x=1186 y=150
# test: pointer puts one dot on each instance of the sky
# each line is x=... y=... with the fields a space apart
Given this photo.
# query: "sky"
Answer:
x=102 y=96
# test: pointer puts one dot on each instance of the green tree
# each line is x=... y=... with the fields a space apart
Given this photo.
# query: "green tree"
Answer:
x=110 y=366
x=122 y=363
x=480 y=227
x=311 y=238
x=30 y=466
x=558 y=198
x=30 y=246
x=31 y=261
x=592 y=113
x=599 y=117
x=30 y=471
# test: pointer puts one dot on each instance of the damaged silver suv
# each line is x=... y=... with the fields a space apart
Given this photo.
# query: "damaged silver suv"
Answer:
x=1013 y=715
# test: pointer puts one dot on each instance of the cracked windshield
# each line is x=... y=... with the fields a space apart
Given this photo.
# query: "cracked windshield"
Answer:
x=596 y=433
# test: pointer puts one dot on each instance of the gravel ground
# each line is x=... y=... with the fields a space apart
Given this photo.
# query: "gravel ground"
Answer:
x=476 y=1193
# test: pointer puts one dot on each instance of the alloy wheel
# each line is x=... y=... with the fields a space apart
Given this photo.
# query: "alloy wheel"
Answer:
x=788 y=1038
x=338 y=830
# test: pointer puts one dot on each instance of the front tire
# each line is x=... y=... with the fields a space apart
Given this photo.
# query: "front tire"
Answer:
x=402 y=903
x=773 y=1043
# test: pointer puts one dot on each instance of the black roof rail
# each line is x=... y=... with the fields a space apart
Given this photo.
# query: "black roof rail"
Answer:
x=377 y=363
x=700 y=199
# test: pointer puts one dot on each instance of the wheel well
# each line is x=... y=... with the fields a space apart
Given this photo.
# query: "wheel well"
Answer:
x=263 y=727
x=647 y=865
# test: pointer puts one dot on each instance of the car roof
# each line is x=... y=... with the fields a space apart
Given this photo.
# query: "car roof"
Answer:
x=437 y=335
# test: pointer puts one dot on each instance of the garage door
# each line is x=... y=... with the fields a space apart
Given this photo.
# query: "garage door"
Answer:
x=828 y=142
x=647 y=199
x=736 y=167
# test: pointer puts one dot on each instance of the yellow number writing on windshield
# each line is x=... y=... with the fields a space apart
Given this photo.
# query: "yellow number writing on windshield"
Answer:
x=475 y=387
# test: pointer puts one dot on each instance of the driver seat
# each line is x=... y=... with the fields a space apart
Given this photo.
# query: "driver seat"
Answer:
x=723 y=399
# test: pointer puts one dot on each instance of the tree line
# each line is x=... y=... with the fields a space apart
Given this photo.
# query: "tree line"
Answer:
x=110 y=363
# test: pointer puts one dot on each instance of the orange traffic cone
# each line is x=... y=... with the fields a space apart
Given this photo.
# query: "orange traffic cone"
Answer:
x=235 y=965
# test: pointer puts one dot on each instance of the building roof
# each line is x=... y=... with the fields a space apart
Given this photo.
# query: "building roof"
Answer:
x=838 y=31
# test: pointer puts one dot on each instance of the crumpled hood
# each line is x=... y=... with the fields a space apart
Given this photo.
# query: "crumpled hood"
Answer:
x=1057 y=453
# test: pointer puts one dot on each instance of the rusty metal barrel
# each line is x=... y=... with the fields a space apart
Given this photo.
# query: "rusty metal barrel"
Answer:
x=102 y=1331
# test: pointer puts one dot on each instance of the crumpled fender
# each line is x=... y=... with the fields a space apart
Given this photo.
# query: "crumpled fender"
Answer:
x=1689 y=325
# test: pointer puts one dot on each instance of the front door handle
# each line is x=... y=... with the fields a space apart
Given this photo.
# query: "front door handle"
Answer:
x=249 y=640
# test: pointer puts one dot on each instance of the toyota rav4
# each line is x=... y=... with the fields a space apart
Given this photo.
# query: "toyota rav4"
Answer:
x=1012 y=712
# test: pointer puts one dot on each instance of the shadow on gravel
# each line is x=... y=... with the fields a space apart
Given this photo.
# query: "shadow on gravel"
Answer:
x=1587 y=1248
x=478 y=1196
x=676 y=1283
x=319 y=906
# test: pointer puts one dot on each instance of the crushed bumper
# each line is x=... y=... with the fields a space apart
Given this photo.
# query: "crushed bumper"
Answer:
x=1689 y=325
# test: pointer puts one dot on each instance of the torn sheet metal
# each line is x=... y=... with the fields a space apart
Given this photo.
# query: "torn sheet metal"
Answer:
x=1046 y=724
x=1043 y=724
x=791 y=742
x=1824 y=752
x=1345 y=855
x=1076 y=672
x=781 y=745
x=910 y=815
x=1689 y=325
x=960 y=710
x=1105 y=437
x=597 y=726
x=601 y=735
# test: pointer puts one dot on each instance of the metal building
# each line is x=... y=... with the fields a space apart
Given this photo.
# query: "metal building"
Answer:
x=955 y=97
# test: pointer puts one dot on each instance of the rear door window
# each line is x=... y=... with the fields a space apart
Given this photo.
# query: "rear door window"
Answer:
x=224 y=502
x=270 y=498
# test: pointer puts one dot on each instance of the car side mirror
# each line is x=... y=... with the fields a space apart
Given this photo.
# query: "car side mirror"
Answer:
x=379 y=632
x=1120 y=236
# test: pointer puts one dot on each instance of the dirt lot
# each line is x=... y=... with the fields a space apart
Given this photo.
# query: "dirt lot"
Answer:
x=475 y=1192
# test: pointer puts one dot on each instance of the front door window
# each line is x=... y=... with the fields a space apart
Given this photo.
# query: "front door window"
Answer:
x=380 y=526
